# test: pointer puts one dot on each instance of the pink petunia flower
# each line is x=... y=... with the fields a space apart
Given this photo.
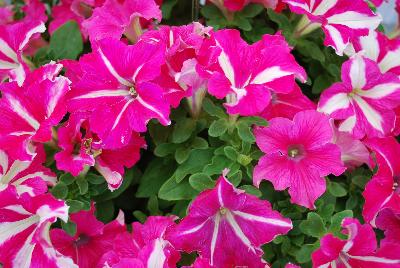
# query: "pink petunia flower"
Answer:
x=341 y=20
x=298 y=154
x=24 y=225
x=92 y=239
x=116 y=18
x=389 y=222
x=245 y=74
x=379 y=48
x=6 y=14
x=13 y=40
x=81 y=147
x=145 y=247
x=364 y=100
x=383 y=190
x=29 y=177
x=116 y=86
x=358 y=250
x=29 y=112
x=228 y=226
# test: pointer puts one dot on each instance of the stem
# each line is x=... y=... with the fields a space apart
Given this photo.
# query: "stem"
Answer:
x=305 y=26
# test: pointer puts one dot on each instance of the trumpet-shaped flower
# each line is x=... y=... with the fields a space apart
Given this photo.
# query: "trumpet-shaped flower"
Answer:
x=298 y=154
x=116 y=86
x=358 y=250
x=364 y=100
x=228 y=226
x=29 y=112
x=24 y=225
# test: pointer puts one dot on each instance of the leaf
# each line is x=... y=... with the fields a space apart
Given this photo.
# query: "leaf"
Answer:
x=105 y=211
x=253 y=120
x=198 y=158
x=211 y=11
x=218 y=164
x=66 y=41
x=231 y=153
x=67 y=178
x=140 y=216
x=321 y=83
x=212 y=109
x=94 y=179
x=304 y=254
x=251 y=10
x=313 y=226
x=172 y=190
x=218 y=128
x=235 y=177
x=245 y=133
x=82 y=185
x=167 y=7
x=199 y=143
x=69 y=227
x=183 y=130
x=152 y=205
x=182 y=154
x=60 y=190
x=242 y=23
x=201 y=181
x=310 y=49
x=164 y=149
x=111 y=195
x=250 y=189
x=74 y=205
x=337 y=219
x=336 y=189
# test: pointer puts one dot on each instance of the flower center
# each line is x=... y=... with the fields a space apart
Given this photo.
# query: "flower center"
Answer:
x=82 y=240
x=355 y=91
x=87 y=143
x=293 y=152
x=223 y=210
x=133 y=92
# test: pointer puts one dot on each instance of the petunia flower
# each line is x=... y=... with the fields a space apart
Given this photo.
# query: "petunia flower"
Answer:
x=117 y=18
x=24 y=225
x=298 y=155
x=147 y=246
x=13 y=40
x=81 y=147
x=389 y=222
x=29 y=112
x=228 y=226
x=364 y=100
x=245 y=74
x=6 y=14
x=116 y=86
x=341 y=20
x=92 y=239
x=383 y=190
x=358 y=250
x=29 y=177
x=379 y=48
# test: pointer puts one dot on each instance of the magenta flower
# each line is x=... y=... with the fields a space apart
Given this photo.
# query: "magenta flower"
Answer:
x=13 y=40
x=116 y=86
x=24 y=236
x=145 y=247
x=117 y=18
x=228 y=226
x=6 y=15
x=29 y=112
x=29 y=177
x=342 y=20
x=389 y=222
x=244 y=74
x=383 y=190
x=80 y=150
x=358 y=250
x=298 y=154
x=92 y=239
x=364 y=100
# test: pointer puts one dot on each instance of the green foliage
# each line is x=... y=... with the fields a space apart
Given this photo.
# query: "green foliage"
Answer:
x=66 y=41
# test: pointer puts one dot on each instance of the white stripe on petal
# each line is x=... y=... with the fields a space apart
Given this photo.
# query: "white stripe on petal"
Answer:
x=116 y=122
x=270 y=74
x=23 y=113
x=391 y=60
x=46 y=178
x=370 y=45
x=11 y=229
x=271 y=221
x=8 y=51
x=301 y=5
x=194 y=229
x=220 y=200
x=380 y=91
x=348 y=124
x=324 y=6
x=357 y=72
x=238 y=231
x=374 y=259
x=5 y=65
x=152 y=108
x=226 y=65
x=41 y=28
x=104 y=93
x=112 y=71
x=157 y=257
x=3 y=163
x=372 y=116
x=334 y=103
x=339 y=44
x=214 y=237
x=355 y=20
x=16 y=167
x=23 y=257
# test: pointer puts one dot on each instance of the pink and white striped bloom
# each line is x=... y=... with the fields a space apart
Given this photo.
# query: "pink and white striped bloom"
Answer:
x=29 y=177
x=341 y=20
x=358 y=250
x=24 y=235
x=116 y=86
x=29 y=112
x=379 y=48
x=298 y=155
x=364 y=100
x=383 y=190
x=245 y=74
x=228 y=226
x=116 y=18
x=13 y=40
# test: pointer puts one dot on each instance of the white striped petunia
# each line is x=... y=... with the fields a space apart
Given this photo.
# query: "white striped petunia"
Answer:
x=226 y=225
x=364 y=100
x=341 y=20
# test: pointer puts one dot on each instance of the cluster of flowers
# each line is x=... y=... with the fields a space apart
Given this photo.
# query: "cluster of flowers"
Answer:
x=111 y=94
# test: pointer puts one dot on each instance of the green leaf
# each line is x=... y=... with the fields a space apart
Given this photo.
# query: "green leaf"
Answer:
x=250 y=189
x=211 y=11
x=167 y=7
x=140 y=216
x=60 y=190
x=67 y=178
x=199 y=143
x=321 y=83
x=198 y=158
x=310 y=49
x=251 y=10
x=201 y=181
x=171 y=190
x=218 y=163
x=183 y=130
x=66 y=41
x=82 y=185
x=213 y=109
x=304 y=254
x=313 y=226
x=95 y=179
x=231 y=153
x=235 y=177
x=69 y=227
x=337 y=219
x=244 y=160
x=152 y=206
x=242 y=23
x=111 y=195
x=74 y=205
x=336 y=189
x=182 y=154
x=218 y=128
x=253 y=120
x=164 y=149
x=105 y=211
x=152 y=179
x=245 y=133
